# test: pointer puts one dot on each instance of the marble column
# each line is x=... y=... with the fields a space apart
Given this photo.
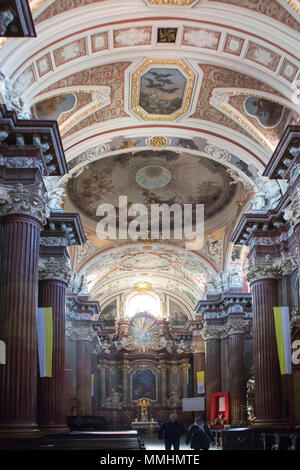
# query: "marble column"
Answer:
x=262 y=275
x=54 y=273
x=211 y=334
x=95 y=373
x=125 y=367
x=84 y=370
x=237 y=384
x=23 y=211
x=102 y=373
x=70 y=370
x=198 y=349
x=185 y=379
x=163 y=376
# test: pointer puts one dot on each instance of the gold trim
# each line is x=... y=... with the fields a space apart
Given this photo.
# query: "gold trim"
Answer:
x=265 y=142
x=2 y=42
x=35 y=6
x=293 y=5
x=135 y=89
x=62 y=127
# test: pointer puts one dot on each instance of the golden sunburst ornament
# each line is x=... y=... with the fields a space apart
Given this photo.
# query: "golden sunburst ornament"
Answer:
x=143 y=335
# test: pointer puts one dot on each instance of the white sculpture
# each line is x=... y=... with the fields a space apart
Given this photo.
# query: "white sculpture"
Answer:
x=13 y=99
x=54 y=193
x=214 y=250
x=114 y=401
x=78 y=284
x=267 y=194
x=6 y=18
x=174 y=399
x=234 y=276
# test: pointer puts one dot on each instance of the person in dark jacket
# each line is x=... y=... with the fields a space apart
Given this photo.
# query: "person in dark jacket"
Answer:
x=198 y=435
x=171 y=431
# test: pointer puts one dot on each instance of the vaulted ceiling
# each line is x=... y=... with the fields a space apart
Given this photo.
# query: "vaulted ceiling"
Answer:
x=133 y=82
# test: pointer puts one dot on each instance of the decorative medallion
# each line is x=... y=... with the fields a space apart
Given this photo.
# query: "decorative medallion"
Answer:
x=158 y=141
x=166 y=35
x=162 y=89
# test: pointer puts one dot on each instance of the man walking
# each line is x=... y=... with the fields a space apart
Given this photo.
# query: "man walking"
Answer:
x=171 y=431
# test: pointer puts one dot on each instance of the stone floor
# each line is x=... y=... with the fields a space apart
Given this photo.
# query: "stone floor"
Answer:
x=152 y=443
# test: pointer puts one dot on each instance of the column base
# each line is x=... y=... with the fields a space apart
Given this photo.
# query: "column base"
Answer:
x=270 y=423
x=19 y=431
x=48 y=429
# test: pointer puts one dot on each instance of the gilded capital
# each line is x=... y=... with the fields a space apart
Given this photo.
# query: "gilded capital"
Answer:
x=185 y=366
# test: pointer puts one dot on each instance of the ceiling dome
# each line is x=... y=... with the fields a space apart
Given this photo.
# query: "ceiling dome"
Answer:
x=167 y=177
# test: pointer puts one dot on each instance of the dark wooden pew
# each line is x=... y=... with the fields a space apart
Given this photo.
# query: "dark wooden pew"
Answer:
x=122 y=440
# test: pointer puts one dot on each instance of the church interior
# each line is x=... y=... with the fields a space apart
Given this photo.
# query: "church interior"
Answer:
x=158 y=102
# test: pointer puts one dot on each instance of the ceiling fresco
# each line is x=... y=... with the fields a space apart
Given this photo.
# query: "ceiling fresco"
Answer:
x=190 y=180
x=162 y=89
x=163 y=101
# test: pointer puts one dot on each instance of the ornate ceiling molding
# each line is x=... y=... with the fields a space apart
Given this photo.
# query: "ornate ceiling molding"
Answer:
x=165 y=67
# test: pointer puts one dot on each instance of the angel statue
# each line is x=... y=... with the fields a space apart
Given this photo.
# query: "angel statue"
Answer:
x=54 y=193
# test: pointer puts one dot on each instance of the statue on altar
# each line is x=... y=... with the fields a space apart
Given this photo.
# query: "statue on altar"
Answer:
x=114 y=401
x=144 y=404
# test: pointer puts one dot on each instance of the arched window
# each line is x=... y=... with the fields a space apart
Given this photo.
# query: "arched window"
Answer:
x=143 y=302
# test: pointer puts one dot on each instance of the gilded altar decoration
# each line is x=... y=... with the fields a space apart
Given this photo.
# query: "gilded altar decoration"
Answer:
x=143 y=334
x=162 y=89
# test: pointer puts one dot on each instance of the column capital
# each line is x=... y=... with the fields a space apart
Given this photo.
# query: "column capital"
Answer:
x=211 y=331
x=235 y=326
x=57 y=268
x=185 y=366
x=198 y=347
x=163 y=366
x=80 y=333
x=269 y=268
x=24 y=199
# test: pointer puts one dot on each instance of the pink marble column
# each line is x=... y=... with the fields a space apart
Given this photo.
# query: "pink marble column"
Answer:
x=211 y=334
x=268 y=393
x=83 y=375
x=237 y=384
x=54 y=275
x=24 y=213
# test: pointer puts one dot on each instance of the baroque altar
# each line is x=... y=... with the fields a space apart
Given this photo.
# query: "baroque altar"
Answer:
x=144 y=372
